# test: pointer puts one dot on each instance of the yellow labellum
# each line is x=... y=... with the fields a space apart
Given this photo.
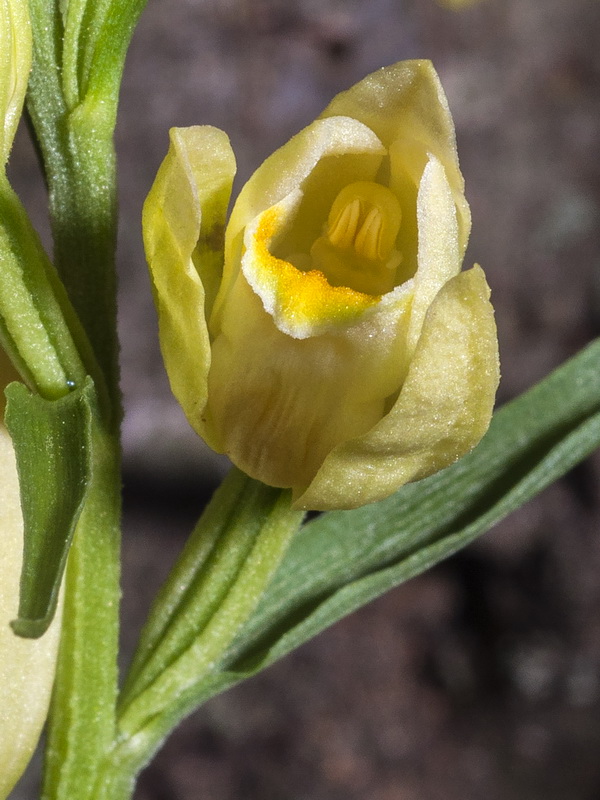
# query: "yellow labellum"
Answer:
x=302 y=296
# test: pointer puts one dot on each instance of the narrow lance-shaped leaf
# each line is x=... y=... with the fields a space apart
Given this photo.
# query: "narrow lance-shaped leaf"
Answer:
x=52 y=447
x=342 y=560
x=96 y=38
x=213 y=589
x=38 y=327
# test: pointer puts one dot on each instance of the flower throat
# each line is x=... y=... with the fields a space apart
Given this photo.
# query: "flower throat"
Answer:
x=357 y=249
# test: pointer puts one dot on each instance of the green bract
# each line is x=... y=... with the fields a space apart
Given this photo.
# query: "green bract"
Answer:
x=331 y=345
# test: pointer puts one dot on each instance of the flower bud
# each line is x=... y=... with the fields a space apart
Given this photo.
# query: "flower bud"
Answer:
x=332 y=345
x=26 y=665
x=15 y=63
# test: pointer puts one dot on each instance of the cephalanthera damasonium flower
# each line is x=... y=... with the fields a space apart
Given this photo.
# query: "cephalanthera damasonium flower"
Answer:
x=332 y=344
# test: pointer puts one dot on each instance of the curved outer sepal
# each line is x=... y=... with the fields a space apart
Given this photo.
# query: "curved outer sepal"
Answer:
x=183 y=224
x=26 y=665
x=406 y=104
x=15 y=64
x=442 y=411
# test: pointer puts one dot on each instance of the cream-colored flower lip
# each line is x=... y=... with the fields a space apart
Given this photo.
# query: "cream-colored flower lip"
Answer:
x=302 y=304
x=327 y=153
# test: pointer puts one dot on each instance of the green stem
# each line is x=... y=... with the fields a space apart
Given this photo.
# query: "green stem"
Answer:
x=84 y=222
x=82 y=720
x=211 y=593
x=201 y=578
x=79 y=163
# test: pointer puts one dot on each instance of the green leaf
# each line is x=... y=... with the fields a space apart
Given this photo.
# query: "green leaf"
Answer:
x=342 y=560
x=87 y=40
x=52 y=446
x=209 y=565
x=97 y=35
x=82 y=716
x=38 y=327
x=212 y=591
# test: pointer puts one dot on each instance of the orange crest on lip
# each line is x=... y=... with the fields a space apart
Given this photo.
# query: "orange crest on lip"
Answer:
x=300 y=298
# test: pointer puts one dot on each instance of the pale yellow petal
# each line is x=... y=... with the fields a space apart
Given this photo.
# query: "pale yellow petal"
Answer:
x=405 y=105
x=442 y=411
x=26 y=665
x=278 y=404
x=183 y=222
x=438 y=251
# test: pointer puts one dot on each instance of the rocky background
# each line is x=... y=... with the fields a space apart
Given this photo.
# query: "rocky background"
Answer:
x=481 y=678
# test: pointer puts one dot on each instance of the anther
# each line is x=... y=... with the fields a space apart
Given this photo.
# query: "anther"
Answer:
x=368 y=239
x=342 y=232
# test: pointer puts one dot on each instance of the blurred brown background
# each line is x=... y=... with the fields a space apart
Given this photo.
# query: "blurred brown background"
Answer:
x=481 y=678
